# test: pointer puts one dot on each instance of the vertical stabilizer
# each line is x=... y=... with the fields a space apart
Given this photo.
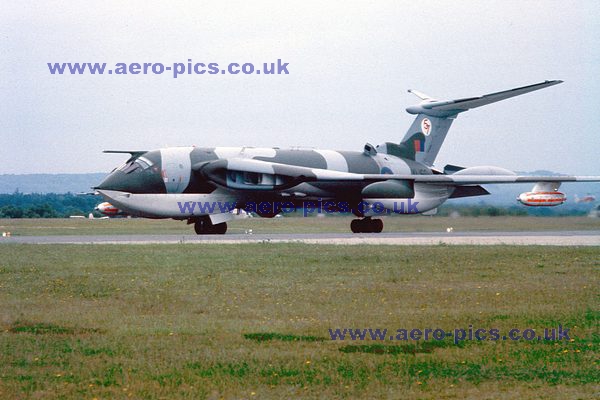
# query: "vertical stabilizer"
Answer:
x=426 y=136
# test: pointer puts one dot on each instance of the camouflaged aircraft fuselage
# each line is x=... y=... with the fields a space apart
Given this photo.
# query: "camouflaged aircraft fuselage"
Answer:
x=398 y=177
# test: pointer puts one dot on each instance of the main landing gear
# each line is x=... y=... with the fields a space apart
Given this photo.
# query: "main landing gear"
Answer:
x=366 y=225
x=203 y=226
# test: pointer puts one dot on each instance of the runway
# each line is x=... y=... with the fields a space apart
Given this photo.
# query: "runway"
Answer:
x=544 y=238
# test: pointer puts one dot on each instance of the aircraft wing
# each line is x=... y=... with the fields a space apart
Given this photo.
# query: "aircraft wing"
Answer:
x=483 y=179
x=251 y=174
x=465 y=104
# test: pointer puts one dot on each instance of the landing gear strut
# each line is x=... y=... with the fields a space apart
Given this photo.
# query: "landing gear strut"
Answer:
x=366 y=225
x=203 y=226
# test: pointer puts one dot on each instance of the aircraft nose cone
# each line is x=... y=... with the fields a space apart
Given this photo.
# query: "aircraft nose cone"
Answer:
x=148 y=181
x=115 y=181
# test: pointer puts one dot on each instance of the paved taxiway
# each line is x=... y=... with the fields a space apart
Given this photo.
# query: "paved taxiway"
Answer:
x=547 y=238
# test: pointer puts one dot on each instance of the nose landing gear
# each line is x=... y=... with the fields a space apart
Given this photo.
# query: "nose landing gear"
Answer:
x=203 y=226
x=366 y=225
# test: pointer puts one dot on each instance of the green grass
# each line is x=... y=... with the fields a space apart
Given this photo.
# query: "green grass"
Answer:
x=417 y=347
x=401 y=223
x=40 y=329
x=253 y=320
x=266 y=336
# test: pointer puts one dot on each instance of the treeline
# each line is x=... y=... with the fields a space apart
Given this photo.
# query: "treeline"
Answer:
x=481 y=211
x=55 y=205
x=486 y=210
x=49 y=205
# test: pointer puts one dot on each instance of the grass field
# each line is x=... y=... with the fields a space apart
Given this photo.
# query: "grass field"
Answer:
x=419 y=223
x=251 y=321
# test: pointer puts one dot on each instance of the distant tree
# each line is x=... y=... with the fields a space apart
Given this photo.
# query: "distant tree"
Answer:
x=493 y=211
x=11 y=212
x=41 y=211
x=49 y=205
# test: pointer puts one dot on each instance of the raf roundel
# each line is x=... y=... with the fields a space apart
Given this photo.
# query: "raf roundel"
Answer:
x=426 y=126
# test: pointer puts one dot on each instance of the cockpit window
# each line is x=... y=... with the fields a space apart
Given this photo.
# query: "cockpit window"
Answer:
x=125 y=167
x=144 y=162
x=130 y=167
x=139 y=164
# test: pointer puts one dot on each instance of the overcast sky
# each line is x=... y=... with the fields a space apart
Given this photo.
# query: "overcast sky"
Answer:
x=350 y=65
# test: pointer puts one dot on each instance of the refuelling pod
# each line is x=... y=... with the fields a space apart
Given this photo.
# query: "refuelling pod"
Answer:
x=543 y=194
x=390 y=189
x=484 y=170
x=393 y=195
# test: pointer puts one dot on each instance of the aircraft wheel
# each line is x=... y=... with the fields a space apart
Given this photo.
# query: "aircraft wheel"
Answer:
x=200 y=227
x=355 y=226
x=205 y=227
x=220 y=229
x=376 y=226
x=366 y=225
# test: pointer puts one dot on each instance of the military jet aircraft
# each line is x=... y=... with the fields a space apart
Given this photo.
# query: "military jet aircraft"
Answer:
x=203 y=185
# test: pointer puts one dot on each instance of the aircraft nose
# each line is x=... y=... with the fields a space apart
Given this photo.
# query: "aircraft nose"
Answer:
x=133 y=182
x=140 y=174
x=115 y=181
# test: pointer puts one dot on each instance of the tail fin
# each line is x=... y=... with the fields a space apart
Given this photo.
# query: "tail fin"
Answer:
x=434 y=118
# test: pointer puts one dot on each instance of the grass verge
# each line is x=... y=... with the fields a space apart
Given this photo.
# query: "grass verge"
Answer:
x=253 y=321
